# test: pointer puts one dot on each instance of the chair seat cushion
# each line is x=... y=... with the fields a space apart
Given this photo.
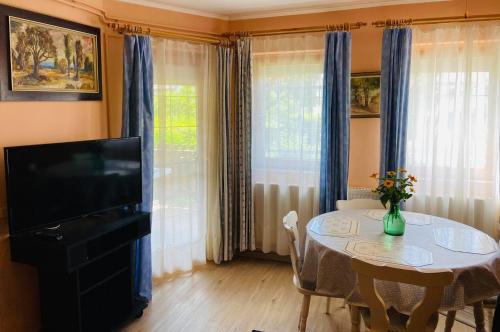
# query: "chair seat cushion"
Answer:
x=398 y=320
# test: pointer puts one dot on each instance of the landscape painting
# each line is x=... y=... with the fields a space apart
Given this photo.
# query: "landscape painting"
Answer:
x=365 y=95
x=49 y=58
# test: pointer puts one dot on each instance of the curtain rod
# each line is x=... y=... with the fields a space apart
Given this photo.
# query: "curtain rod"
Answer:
x=123 y=25
x=149 y=31
x=392 y=23
x=319 y=28
x=215 y=38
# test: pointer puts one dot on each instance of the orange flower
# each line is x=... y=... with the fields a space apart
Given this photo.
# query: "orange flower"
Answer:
x=374 y=175
x=388 y=183
x=391 y=173
x=412 y=178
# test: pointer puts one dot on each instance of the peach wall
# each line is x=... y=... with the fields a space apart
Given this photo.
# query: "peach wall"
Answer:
x=364 y=151
x=122 y=10
x=41 y=122
x=38 y=122
x=44 y=122
x=366 y=54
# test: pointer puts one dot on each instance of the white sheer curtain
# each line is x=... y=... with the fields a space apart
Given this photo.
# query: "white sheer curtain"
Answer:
x=184 y=177
x=286 y=132
x=454 y=113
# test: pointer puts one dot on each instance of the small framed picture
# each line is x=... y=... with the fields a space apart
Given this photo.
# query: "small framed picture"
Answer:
x=365 y=95
x=46 y=58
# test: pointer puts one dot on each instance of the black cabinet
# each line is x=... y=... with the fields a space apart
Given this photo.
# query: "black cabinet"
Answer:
x=86 y=278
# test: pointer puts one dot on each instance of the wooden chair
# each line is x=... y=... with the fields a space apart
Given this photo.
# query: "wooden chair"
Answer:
x=360 y=203
x=378 y=318
x=479 y=320
x=290 y=224
x=478 y=308
x=496 y=317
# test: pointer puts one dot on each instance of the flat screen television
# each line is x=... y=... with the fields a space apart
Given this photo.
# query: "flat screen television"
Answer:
x=49 y=184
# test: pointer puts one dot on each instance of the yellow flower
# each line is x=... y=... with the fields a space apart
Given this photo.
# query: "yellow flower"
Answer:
x=412 y=189
x=391 y=173
x=388 y=183
x=374 y=175
x=412 y=178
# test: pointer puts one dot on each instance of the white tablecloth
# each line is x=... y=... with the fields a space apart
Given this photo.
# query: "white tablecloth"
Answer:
x=327 y=261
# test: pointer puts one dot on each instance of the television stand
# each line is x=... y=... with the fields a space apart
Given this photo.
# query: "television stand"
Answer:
x=50 y=233
x=86 y=277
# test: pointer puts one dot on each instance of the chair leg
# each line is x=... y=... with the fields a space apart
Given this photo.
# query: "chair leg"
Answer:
x=355 y=318
x=479 y=316
x=450 y=320
x=304 y=312
x=328 y=305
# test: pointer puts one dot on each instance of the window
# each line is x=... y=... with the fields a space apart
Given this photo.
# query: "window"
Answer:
x=287 y=105
x=175 y=154
x=175 y=116
x=291 y=101
x=454 y=123
x=455 y=105
x=181 y=113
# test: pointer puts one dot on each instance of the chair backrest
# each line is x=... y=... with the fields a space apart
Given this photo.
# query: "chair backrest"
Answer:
x=290 y=223
x=433 y=281
x=360 y=203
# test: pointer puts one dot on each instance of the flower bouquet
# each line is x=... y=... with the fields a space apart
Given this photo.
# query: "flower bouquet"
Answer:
x=395 y=187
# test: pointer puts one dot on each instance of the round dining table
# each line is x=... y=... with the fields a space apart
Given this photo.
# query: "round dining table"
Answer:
x=429 y=243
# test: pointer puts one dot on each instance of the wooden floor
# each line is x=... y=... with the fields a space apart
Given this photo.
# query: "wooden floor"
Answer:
x=240 y=296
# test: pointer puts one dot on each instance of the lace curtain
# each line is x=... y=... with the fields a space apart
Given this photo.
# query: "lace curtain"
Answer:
x=185 y=179
x=454 y=112
x=286 y=132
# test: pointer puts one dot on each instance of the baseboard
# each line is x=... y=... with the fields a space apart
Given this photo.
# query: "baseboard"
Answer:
x=257 y=254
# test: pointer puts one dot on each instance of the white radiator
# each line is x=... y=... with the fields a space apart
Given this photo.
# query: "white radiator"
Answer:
x=360 y=192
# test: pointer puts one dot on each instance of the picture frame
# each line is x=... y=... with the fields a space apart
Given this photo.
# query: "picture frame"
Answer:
x=64 y=65
x=365 y=95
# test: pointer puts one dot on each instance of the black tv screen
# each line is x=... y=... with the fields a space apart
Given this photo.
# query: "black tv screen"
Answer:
x=52 y=183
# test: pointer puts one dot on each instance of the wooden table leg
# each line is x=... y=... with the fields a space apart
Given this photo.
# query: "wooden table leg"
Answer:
x=450 y=320
x=479 y=316
x=355 y=318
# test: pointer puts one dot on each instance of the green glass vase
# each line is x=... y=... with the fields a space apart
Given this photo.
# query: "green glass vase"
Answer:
x=394 y=222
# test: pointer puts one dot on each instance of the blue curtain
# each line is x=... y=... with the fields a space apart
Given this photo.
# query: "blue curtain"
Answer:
x=137 y=120
x=335 y=120
x=394 y=86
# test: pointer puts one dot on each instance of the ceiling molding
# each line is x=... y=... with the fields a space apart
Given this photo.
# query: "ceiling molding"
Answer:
x=324 y=8
x=277 y=12
x=154 y=4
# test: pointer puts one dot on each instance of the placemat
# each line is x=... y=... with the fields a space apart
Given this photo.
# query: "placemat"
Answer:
x=390 y=253
x=335 y=226
x=411 y=218
x=464 y=240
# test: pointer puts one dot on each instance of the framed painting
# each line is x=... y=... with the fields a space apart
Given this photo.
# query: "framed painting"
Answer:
x=365 y=95
x=46 y=58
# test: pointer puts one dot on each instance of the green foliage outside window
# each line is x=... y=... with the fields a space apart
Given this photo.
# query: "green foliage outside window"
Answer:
x=175 y=108
x=293 y=110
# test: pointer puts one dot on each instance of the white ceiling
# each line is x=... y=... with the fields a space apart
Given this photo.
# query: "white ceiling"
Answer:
x=240 y=9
